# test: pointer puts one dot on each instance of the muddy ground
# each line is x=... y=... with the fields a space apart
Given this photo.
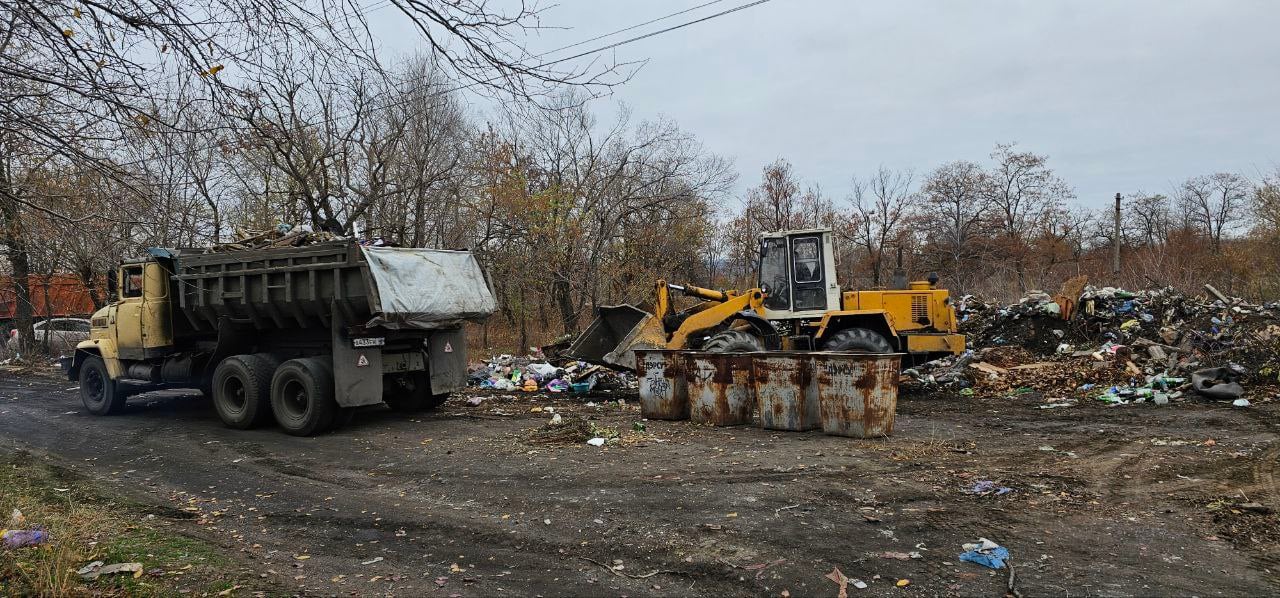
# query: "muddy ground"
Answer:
x=1132 y=500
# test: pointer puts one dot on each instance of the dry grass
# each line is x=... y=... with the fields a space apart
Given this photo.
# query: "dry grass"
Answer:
x=84 y=526
x=572 y=431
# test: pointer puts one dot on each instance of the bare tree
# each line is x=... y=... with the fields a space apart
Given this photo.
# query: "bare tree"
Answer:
x=1023 y=191
x=1266 y=205
x=880 y=206
x=953 y=215
x=1215 y=204
x=1148 y=218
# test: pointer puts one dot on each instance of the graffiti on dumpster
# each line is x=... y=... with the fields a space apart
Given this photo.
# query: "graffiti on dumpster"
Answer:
x=659 y=386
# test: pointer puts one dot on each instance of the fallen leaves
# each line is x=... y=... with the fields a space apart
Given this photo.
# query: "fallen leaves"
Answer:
x=839 y=578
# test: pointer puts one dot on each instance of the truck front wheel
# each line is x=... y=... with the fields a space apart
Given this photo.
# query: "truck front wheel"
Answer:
x=302 y=396
x=242 y=390
x=410 y=392
x=100 y=394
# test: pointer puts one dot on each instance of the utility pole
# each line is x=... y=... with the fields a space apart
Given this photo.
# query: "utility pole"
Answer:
x=1115 y=248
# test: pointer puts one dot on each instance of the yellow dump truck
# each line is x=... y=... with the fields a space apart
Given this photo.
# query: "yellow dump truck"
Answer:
x=798 y=305
x=299 y=334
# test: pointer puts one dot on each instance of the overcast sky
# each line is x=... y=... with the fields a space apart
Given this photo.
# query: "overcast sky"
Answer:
x=1121 y=95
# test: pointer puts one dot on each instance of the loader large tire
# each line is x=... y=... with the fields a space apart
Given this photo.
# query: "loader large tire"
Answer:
x=242 y=390
x=100 y=394
x=858 y=340
x=733 y=341
x=302 y=396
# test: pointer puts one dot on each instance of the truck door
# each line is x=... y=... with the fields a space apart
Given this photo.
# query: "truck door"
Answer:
x=156 y=325
x=808 y=274
x=129 y=313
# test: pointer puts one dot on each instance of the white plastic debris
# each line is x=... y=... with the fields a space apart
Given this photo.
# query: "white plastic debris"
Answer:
x=597 y=441
x=1240 y=403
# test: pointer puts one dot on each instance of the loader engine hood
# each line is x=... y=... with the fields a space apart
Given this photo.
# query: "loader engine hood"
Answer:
x=426 y=289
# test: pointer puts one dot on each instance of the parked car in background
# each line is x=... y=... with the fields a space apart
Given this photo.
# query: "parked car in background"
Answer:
x=63 y=333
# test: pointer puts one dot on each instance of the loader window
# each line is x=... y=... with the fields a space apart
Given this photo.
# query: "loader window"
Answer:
x=807 y=259
x=773 y=273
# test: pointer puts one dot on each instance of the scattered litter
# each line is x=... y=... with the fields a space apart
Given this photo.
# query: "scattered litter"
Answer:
x=1217 y=383
x=597 y=441
x=986 y=553
x=901 y=556
x=1240 y=403
x=19 y=538
x=96 y=569
x=546 y=372
x=376 y=559
x=90 y=567
x=902 y=583
x=988 y=487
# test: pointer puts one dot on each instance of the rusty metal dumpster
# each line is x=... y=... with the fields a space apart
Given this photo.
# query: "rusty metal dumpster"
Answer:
x=786 y=390
x=858 y=392
x=720 y=388
x=664 y=390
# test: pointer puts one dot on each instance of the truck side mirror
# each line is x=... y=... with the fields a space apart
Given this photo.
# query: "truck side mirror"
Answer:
x=113 y=285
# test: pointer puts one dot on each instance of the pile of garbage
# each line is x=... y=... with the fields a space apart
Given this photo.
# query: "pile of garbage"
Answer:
x=534 y=373
x=1115 y=346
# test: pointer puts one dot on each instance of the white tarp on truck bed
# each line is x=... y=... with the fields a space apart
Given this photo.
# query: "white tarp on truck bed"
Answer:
x=427 y=288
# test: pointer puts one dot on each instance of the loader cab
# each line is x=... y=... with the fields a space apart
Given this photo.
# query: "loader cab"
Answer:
x=798 y=274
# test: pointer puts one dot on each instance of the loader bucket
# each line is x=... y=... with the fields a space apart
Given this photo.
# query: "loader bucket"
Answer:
x=616 y=331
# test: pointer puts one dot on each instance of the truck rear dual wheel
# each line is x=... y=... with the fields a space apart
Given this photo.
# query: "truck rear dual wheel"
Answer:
x=100 y=394
x=302 y=396
x=242 y=390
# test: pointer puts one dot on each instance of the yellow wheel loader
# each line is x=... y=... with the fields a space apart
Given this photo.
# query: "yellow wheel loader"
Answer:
x=798 y=306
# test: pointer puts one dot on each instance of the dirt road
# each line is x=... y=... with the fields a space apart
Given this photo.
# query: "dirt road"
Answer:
x=1105 y=501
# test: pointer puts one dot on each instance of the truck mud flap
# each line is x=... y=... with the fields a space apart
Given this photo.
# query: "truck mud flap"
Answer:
x=447 y=360
x=357 y=371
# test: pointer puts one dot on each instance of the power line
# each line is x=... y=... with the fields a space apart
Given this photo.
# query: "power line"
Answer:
x=597 y=50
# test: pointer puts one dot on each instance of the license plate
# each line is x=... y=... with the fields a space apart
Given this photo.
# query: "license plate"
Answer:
x=372 y=341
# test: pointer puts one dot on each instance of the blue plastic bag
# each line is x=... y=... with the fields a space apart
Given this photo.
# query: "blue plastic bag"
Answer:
x=993 y=558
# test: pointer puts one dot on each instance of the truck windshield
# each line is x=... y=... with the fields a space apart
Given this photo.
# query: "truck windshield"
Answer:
x=773 y=273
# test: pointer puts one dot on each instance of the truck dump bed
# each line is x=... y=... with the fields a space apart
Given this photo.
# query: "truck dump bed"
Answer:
x=300 y=287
